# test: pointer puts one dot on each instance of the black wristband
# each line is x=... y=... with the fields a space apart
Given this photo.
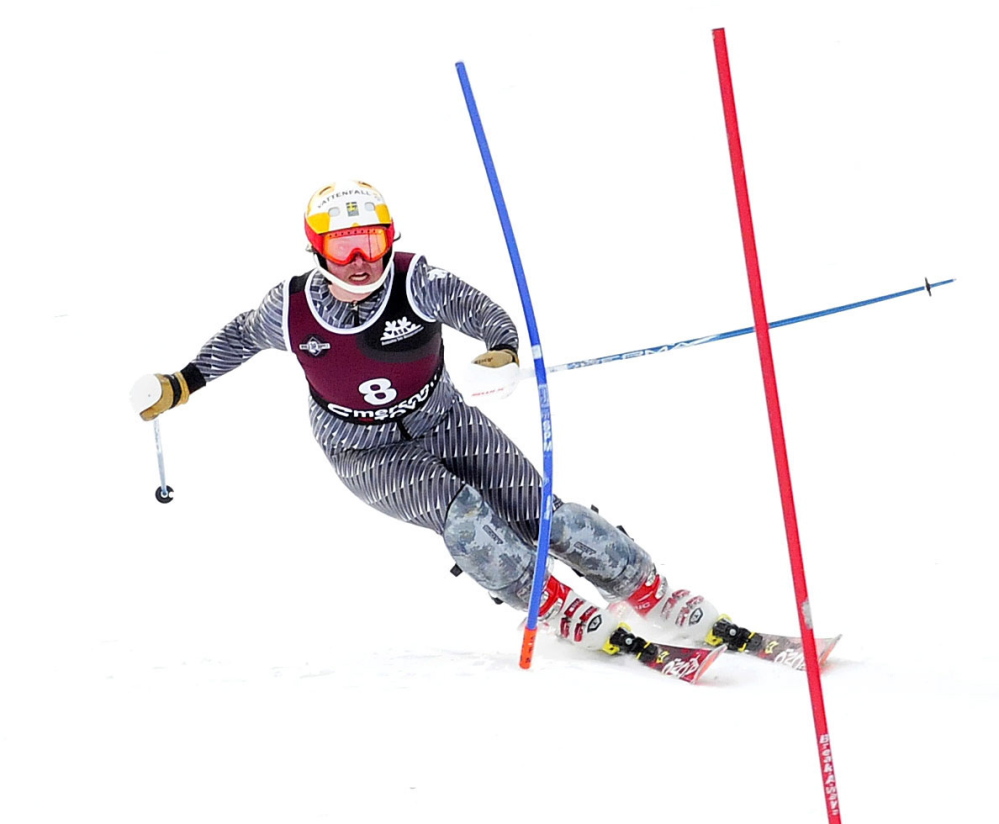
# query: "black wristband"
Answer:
x=175 y=389
x=195 y=380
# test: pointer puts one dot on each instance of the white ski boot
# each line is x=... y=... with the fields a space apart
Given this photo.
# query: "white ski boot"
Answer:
x=573 y=617
x=684 y=618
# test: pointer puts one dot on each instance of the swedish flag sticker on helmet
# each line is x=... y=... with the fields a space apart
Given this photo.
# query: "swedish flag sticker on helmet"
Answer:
x=344 y=205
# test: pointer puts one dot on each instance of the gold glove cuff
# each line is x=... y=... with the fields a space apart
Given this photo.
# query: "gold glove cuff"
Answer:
x=496 y=358
x=173 y=392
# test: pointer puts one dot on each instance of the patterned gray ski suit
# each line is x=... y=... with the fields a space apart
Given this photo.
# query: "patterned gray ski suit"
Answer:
x=414 y=466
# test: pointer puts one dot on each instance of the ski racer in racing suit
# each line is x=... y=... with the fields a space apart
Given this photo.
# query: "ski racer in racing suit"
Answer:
x=365 y=326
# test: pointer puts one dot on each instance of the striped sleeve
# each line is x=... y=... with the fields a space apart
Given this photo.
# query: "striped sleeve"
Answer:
x=443 y=296
x=242 y=337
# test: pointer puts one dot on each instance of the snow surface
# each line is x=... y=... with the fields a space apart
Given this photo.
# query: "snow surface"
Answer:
x=266 y=648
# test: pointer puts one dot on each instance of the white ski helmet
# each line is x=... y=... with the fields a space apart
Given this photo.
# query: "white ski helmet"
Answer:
x=346 y=205
x=347 y=219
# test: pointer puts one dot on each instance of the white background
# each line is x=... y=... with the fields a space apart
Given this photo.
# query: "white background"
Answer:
x=266 y=648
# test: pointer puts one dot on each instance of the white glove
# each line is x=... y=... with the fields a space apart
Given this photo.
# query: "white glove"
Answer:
x=493 y=375
x=154 y=394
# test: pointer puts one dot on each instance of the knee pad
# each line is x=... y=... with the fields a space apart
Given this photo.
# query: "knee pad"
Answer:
x=599 y=551
x=485 y=547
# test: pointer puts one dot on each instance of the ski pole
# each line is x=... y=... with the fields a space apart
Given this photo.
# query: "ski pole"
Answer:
x=484 y=391
x=655 y=350
x=164 y=493
x=544 y=530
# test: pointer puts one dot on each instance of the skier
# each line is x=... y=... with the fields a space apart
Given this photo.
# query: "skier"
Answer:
x=365 y=326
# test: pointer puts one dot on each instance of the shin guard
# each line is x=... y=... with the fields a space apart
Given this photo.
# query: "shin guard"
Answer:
x=484 y=546
x=599 y=551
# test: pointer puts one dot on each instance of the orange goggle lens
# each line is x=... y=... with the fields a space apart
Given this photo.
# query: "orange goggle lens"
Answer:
x=370 y=242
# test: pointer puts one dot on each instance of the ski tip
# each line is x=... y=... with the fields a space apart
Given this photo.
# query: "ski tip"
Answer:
x=827 y=649
x=705 y=663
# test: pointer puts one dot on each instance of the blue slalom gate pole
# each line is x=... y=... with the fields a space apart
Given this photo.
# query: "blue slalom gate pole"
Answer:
x=540 y=374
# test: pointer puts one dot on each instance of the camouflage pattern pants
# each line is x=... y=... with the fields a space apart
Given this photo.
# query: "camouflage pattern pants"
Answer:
x=467 y=481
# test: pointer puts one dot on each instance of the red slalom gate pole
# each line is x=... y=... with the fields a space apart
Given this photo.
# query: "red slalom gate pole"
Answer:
x=776 y=427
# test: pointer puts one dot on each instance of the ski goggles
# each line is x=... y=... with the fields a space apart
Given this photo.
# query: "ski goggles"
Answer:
x=343 y=245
